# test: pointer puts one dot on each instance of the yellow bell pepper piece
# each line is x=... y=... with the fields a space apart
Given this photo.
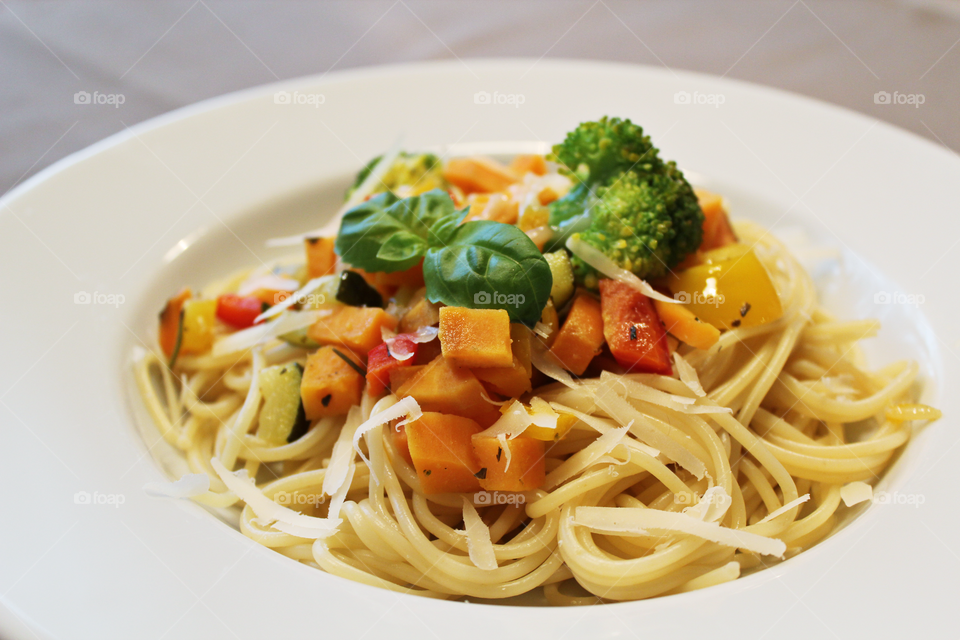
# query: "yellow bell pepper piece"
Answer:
x=729 y=289
x=199 y=319
x=565 y=422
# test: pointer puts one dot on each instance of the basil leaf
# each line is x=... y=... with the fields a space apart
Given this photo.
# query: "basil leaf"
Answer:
x=370 y=225
x=444 y=228
x=402 y=246
x=489 y=265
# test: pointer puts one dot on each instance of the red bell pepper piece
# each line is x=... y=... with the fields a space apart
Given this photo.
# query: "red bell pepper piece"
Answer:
x=239 y=311
x=633 y=330
x=380 y=363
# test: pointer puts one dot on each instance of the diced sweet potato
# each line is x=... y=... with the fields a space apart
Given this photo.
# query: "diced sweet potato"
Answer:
x=446 y=388
x=581 y=335
x=412 y=277
x=422 y=313
x=476 y=337
x=321 y=259
x=400 y=375
x=717 y=231
x=633 y=329
x=442 y=452
x=526 y=471
x=330 y=386
x=532 y=163
x=478 y=175
x=512 y=381
x=355 y=328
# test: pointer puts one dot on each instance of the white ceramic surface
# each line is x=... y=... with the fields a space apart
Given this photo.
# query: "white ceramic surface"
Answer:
x=194 y=194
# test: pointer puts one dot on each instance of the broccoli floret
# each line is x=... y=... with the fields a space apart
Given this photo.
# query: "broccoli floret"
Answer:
x=646 y=226
x=410 y=175
x=636 y=208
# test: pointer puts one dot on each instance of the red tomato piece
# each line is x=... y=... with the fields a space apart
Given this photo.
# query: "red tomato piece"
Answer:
x=633 y=330
x=239 y=311
x=380 y=363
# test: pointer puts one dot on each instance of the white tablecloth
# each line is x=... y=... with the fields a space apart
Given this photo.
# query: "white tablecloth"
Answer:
x=159 y=56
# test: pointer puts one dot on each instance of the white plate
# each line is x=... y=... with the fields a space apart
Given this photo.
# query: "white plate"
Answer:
x=195 y=193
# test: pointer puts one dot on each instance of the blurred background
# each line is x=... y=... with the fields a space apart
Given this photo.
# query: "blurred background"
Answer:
x=76 y=72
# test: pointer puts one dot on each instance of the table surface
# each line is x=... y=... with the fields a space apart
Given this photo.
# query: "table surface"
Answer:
x=160 y=56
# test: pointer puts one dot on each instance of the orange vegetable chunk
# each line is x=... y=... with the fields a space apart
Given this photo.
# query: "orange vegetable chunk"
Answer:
x=684 y=325
x=422 y=313
x=717 y=231
x=478 y=174
x=355 y=328
x=321 y=259
x=526 y=456
x=443 y=387
x=512 y=381
x=441 y=448
x=170 y=321
x=535 y=164
x=330 y=386
x=476 y=337
x=581 y=336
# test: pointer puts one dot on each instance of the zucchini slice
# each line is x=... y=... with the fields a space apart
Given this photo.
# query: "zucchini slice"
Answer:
x=282 y=417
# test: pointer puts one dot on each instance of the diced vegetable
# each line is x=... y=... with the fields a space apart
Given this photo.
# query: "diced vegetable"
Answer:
x=496 y=206
x=581 y=336
x=239 y=311
x=330 y=386
x=442 y=452
x=633 y=330
x=525 y=456
x=412 y=277
x=358 y=329
x=534 y=216
x=559 y=262
x=399 y=375
x=422 y=313
x=475 y=337
x=282 y=417
x=380 y=363
x=356 y=292
x=717 y=231
x=731 y=289
x=681 y=323
x=446 y=388
x=199 y=320
x=535 y=164
x=512 y=381
x=299 y=338
x=478 y=175
x=171 y=323
x=321 y=259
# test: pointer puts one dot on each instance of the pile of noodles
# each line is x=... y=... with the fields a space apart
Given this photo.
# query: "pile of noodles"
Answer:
x=663 y=485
